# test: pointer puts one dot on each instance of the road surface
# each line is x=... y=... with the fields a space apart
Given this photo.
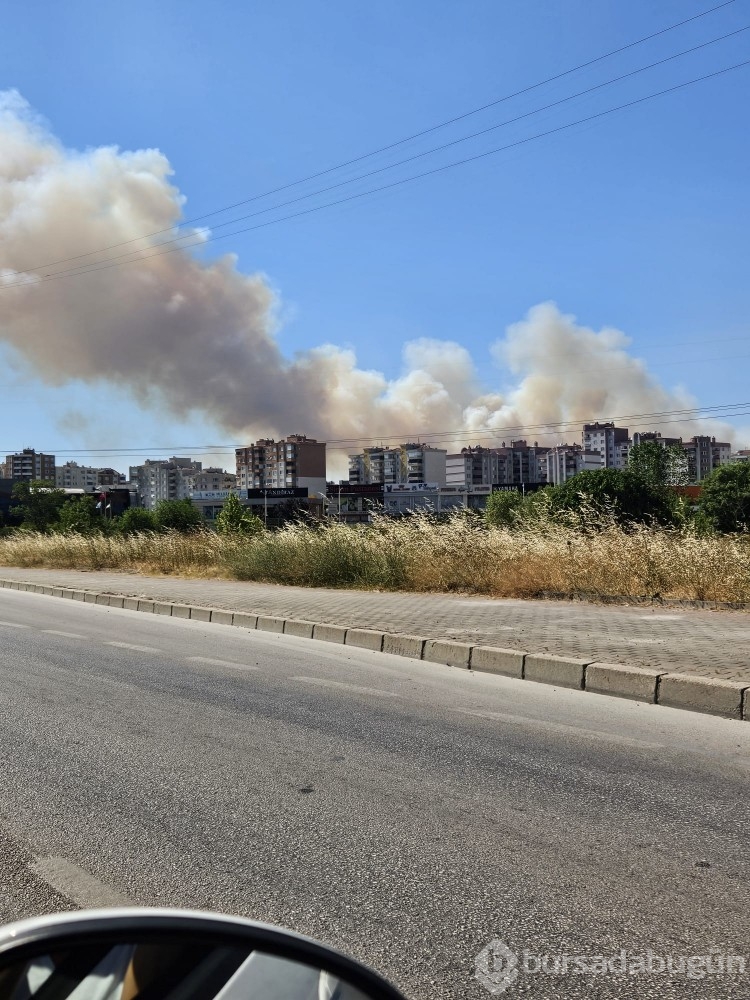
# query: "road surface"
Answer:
x=406 y=812
x=671 y=639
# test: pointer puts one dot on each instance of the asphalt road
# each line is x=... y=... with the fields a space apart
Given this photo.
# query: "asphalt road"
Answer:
x=406 y=812
x=683 y=640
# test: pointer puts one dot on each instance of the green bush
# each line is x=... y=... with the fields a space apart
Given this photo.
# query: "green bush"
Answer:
x=178 y=515
x=725 y=498
x=235 y=518
x=503 y=508
x=80 y=516
x=38 y=504
x=135 y=520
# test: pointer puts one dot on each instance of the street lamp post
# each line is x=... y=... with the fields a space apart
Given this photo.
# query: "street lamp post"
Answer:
x=325 y=500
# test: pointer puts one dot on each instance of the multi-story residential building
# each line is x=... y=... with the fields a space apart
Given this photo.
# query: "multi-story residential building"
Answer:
x=72 y=476
x=611 y=442
x=295 y=463
x=210 y=480
x=704 y=454
x=376 y=465
x=567 y=460
x=425 y=464
x=743 y=455
x=641 y=437
x=521 y=464
x=476 y=466
x=30 y=464
x=407 y=463
x=165 y=479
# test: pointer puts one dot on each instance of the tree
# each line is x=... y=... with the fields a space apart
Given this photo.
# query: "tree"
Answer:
x=650 y=464
x=235 y=518
x=80 y=516
x=725 y=497
x=38 y=503
x=502 y=508
x=178 y=515
x=630 y=494
x=135 y=521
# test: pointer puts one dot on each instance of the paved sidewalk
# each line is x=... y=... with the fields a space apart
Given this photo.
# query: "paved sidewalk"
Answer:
x=712 y=644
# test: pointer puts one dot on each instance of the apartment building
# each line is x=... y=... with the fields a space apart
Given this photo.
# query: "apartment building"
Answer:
x=30 y=464
x=566 y=460
x=521 y=464
x=611 y=442
x=704 y=454
x=211 y=480
x=641 y=437
x=164 y=479
x=406 y=463
x=475 y=466
x=297 y=462
x=377 y=465
x=72 y=476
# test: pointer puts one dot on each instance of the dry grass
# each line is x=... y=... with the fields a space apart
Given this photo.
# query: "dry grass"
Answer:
x=418 y=555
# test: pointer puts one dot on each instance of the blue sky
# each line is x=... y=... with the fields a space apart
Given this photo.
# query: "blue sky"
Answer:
x=638 y=221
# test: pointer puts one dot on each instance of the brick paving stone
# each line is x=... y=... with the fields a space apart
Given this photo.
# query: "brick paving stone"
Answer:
x=682 y=640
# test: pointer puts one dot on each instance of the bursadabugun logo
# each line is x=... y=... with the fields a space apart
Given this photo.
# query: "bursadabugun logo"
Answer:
x=497 y=966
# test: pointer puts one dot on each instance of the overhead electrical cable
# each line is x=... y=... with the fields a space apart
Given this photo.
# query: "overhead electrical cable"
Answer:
x=199 y=239
x=398 y=142
x=656 y=418
x=404 y=180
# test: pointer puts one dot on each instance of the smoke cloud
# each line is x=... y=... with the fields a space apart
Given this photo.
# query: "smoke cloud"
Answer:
x=199 y=337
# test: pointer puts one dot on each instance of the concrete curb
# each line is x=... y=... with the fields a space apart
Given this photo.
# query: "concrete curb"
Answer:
x=729 y=699
x=701 y=694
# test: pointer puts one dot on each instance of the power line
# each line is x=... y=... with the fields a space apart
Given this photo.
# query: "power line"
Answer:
x=393 y=184
x=399 y=142
x=656 y=418
x=135 y=254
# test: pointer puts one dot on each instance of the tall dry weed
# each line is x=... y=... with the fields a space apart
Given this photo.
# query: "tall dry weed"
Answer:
x=575 y=555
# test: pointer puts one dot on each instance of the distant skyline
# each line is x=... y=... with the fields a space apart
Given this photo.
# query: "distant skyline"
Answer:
x=430 y=294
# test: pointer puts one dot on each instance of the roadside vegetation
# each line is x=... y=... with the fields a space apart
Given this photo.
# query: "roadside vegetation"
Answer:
x=602 y=534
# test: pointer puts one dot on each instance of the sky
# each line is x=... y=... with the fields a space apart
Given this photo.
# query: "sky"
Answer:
x=520 y=291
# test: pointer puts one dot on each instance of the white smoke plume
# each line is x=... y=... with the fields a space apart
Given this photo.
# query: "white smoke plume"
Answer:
x=199 y=337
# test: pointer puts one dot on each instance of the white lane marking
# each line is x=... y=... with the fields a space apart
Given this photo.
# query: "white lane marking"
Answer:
x=340 y=685
x=739 y=761
x=560 y=727
x=77 y=884
x=131 y=645
x=13 y=625
x=221 y=663
x=65 y=635
x=629 y=641
x=662 y=618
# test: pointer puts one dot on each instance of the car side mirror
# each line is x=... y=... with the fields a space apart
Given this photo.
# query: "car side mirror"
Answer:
x=174 y=955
